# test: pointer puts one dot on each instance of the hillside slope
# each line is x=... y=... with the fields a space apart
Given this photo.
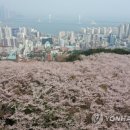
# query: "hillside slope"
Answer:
x=64 y=96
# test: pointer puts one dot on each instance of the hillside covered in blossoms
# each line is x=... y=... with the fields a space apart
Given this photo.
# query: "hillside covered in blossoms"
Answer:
x=64 y=96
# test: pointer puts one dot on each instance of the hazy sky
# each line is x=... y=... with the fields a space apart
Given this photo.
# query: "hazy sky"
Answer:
x=95 y=8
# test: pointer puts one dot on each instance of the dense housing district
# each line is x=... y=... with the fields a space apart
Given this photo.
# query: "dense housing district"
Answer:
x=29 y=42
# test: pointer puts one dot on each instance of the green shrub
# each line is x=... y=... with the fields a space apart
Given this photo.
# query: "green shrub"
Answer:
x=75 y=55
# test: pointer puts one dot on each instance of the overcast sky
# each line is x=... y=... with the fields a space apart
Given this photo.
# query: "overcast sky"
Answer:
x=95 y=8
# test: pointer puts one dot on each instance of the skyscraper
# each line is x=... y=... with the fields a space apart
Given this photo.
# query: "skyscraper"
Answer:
x=2 y=12
x=1 y=34
x=112 y=39
x=50 y=18
x=79 y=19
x=121 y=34
x=127 y=31
x=8 y=32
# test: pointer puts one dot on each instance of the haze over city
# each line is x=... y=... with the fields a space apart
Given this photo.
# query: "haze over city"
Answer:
x=100 y=9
